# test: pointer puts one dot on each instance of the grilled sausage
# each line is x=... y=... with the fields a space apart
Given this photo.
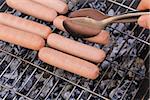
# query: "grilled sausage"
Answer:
x=69 y=63
x=24 y=24
x=101 y=38
x=58 y=5
x=58 y=22
x=34 y=9
x=22 y=38
x=75 y=48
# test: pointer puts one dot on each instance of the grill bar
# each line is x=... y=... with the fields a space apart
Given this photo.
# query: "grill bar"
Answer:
x=29 y=58
x=120 y=4
x=50 y=73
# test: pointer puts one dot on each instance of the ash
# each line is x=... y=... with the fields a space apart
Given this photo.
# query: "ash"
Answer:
x=122 y=69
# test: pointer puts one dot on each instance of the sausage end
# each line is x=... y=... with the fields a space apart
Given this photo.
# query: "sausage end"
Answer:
x=40 y=45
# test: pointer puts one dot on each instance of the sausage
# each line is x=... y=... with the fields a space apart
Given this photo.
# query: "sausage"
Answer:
x=60 y=6
x=34 y=9
x=101 y=38
x=24 y=24
x=22 y=38
x=58 y=22
x=69 y=63
x=75 y=48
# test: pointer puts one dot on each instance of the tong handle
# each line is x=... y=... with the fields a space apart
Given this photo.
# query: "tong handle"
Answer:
x=138 y=11
x=127 y=17
x=129 y=20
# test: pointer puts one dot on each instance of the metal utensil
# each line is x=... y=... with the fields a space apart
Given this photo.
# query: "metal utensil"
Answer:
x=84 y=27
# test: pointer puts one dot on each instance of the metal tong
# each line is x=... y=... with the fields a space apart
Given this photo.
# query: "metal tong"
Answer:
x=84 y=27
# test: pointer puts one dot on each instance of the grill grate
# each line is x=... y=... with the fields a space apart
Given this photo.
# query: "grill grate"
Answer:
x=23 y=76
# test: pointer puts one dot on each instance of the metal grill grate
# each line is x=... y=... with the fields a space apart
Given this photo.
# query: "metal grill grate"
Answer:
x=24 y=77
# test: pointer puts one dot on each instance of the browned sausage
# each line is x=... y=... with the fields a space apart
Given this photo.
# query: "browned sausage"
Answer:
x=75 y=48
x=69 y=63
x=58 y=22
x=58 y=5
x=101 y=38
x=24 y=24
x=34 y=9
x=22 y=38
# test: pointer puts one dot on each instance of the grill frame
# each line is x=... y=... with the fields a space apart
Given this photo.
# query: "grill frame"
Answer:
x=76 y=84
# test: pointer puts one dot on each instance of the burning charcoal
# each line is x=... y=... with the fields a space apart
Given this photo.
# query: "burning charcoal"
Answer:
x=37 y=62
x=117 y=93
x=22 y=52
x=66 y=91
x=34 y=93
x=97 y=46
x=16 y=49
x=111 y=12
x=131 y=92
x=103 y=6
x=14 y=64
x=71 y=77
x=31 y=18
x=112 y=84
x=11 y=94
x=3 y=92
x=59 y=72
x=114 y=52
x=120 y=27
x=121 y=73
x=65 y=34
x=28 y=85
x=2 y=44
x=66 y=94
x=17 y=13
x=111 y=73
x=46 y=75
x=22 y=98
x=37 y=76
x=50 y=82
x=3 y=66
x=32 y=55
x=8 y=59
x=114 y=25
x=2 y=55
x=98 y=5
x=131 y=74
x=72 y=3
x=112 y=93
x=105 y=65
x=139 y=68
x=44 y=92
x=10 y=76
x=103 y=84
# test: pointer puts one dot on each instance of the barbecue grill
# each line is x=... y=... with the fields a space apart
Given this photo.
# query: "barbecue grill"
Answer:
x=124 y=75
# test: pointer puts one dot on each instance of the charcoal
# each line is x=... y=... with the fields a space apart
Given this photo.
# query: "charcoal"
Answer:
x=10 y=76
x=118 y=92
x=17 y=13
x=111 y=12
x=122 y=62
x=22 y=98
x=2 y=44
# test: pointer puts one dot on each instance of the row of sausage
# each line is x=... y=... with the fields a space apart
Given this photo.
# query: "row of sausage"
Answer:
x=62 y=52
